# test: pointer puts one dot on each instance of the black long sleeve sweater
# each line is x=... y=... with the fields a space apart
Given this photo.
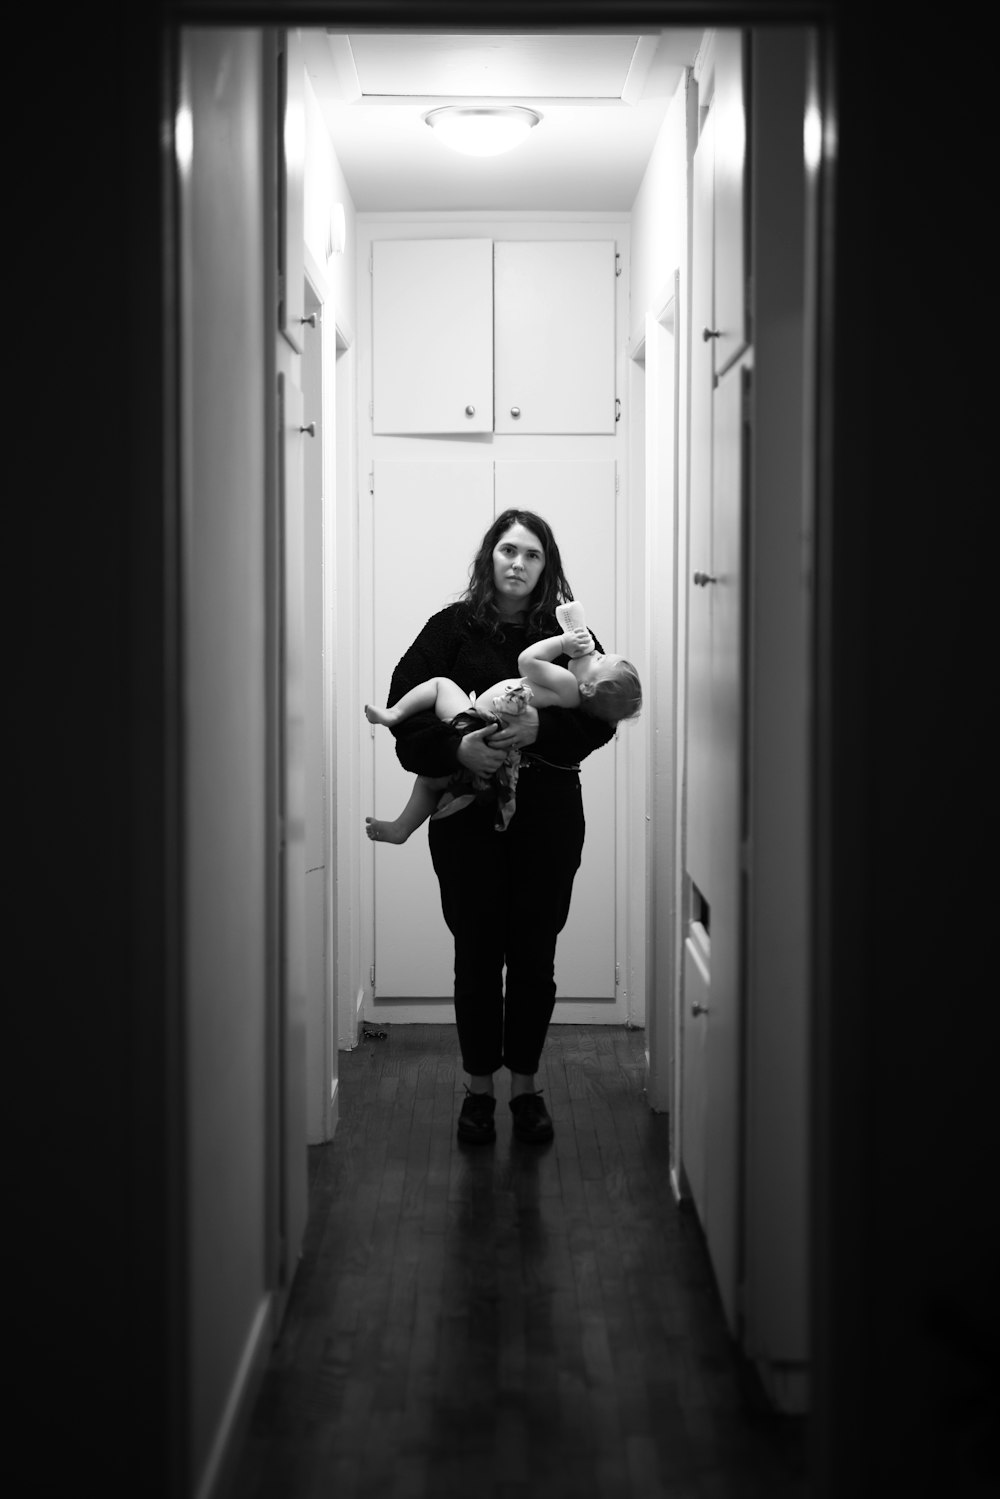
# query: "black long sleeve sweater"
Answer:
x=452 y=644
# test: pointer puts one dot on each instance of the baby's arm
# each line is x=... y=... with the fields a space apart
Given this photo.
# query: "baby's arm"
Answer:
x=554 y=686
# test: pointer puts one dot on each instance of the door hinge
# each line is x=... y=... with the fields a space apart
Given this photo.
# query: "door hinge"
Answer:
x=371 y=977
x=371 y=411
x=618 y=974
x=371 y=261
x=371 y=482
x=618 y=409
x=618 y=263
x=617 y=479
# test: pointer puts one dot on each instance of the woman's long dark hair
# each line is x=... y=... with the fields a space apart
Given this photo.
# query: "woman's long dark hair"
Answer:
x=550 y=590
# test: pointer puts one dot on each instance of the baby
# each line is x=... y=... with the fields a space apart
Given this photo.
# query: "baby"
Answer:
x=606 y=686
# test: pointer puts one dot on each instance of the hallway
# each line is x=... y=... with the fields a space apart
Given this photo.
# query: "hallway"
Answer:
x=505 y=1321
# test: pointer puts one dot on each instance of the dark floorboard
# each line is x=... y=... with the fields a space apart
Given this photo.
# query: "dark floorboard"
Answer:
x=506 y=1321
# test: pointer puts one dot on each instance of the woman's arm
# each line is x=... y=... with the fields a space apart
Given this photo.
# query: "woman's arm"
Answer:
x=425 y=745
x=568 y=735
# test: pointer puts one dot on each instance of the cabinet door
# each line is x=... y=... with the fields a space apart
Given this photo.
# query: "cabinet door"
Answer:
x=731 y=236
x=554 y=332
x=291 y=188
x=432 y=336
x=694 y=1104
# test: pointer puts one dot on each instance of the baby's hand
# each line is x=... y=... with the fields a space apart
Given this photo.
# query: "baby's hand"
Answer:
x=578 y=642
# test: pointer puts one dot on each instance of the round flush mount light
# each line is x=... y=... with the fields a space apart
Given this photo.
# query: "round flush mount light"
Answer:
x=482 y=130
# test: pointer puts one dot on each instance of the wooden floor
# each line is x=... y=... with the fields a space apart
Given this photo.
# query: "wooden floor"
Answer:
x=506 y=1321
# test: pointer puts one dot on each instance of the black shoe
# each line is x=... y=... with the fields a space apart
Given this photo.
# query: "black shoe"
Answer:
x=475 y=1122
x=531 y=1118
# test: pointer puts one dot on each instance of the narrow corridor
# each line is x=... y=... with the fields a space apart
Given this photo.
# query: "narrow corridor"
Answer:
x=506 y=1320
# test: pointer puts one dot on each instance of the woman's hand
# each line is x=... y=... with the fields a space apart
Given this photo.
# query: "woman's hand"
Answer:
x=476 y=751
x=519 y=732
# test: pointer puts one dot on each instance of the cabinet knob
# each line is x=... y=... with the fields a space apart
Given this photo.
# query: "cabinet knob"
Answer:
x=311 y=320
x=708 y=333
x=697 y=1009
x=515 y=411
x=470 y=410
x=701 y=579
x=310 y=428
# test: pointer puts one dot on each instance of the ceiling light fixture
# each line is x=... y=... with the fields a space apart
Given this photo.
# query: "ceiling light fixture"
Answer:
x=482 y=130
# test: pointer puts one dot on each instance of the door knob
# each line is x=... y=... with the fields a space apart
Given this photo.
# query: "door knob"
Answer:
x=701 y=579
x=697 y=1009
x=310 y=428
x=708 y=333
x=470 y=410
x=515 y=411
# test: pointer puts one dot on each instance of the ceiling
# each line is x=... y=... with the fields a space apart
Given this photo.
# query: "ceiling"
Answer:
x=602 y=97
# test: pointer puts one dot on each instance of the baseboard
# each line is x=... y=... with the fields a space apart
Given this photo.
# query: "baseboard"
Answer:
x=217 y=1478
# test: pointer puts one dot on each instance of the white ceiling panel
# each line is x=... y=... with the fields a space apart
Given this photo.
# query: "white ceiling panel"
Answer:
x=554 y=67
x=602 y=99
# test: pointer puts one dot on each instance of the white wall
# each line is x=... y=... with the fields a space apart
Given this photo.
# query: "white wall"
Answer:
x=325 y=185
x=659 y=213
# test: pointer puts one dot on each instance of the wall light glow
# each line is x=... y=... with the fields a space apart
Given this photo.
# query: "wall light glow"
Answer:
x=184 y=139
x=812 y=138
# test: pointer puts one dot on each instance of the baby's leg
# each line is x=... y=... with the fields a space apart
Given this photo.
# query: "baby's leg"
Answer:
x=422 y=801
x=439 y=693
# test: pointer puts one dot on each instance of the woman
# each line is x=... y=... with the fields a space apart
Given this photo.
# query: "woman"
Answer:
x=505 y=898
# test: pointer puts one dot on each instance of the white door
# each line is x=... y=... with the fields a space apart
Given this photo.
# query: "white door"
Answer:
x=432 y=336
x=428 y=518
x=554 y=333
x=577 y=498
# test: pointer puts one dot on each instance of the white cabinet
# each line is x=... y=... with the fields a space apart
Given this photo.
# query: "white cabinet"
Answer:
x=474 y=336
x=554 y=335
x=432 y=336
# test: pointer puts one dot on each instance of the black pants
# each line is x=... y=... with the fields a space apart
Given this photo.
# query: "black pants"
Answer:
x=505 y=897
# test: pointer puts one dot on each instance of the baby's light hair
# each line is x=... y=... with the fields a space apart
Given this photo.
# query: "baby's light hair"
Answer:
x=615 y=695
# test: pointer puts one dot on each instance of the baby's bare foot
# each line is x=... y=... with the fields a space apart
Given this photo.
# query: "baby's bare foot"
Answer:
x=380 y=715
x=384 y=832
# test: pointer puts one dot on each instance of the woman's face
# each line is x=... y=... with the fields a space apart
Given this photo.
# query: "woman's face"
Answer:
x=518 y=563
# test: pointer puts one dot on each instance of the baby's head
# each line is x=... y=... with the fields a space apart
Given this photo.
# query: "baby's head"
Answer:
x=609 y=686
